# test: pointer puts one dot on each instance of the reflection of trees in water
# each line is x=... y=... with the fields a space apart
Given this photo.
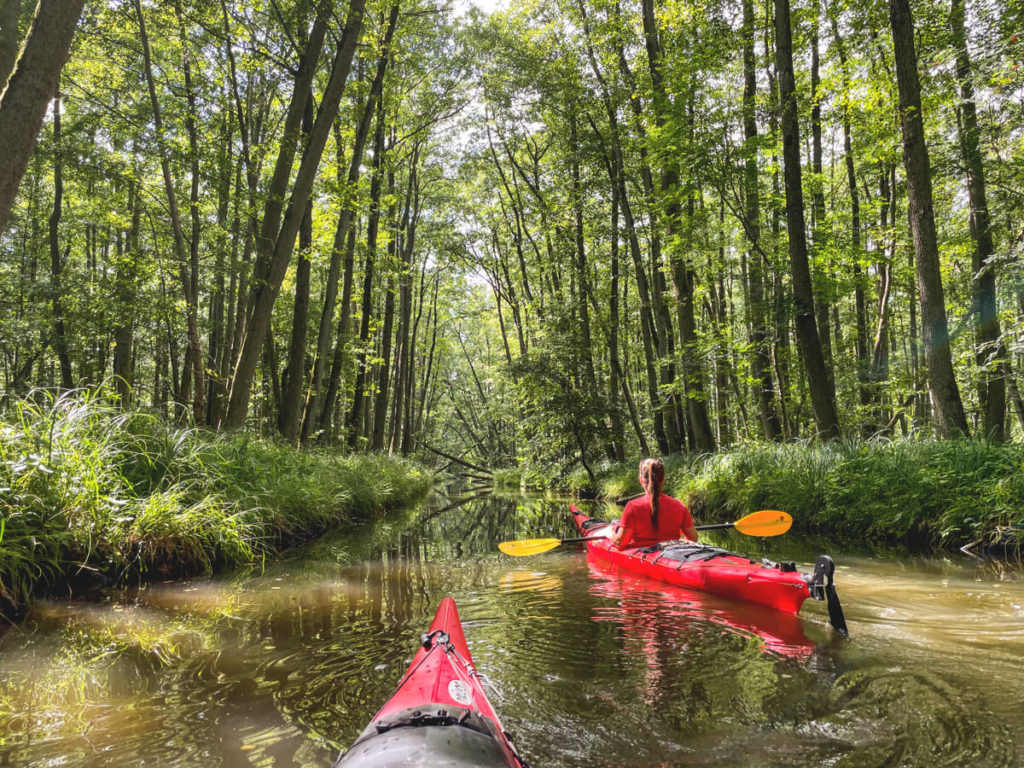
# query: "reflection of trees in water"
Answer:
x=286 y=668
x=701 y=662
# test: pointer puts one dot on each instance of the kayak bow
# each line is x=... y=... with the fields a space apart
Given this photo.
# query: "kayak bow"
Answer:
x=711 y=569
x=439 y=714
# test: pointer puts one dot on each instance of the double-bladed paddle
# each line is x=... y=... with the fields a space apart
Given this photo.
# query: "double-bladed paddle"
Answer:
x=766 y=522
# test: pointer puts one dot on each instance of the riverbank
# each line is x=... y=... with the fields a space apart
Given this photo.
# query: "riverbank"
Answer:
x=91 y=495
x=941 y=493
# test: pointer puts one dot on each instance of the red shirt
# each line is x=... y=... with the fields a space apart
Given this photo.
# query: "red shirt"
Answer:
x=673 y=516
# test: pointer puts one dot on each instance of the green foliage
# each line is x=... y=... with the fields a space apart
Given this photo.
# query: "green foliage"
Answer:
x=942 y=492
x=946 y=493
x=83 y=484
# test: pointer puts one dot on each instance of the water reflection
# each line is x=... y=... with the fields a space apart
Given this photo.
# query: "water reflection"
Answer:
x=649 y=606
x=592 y=667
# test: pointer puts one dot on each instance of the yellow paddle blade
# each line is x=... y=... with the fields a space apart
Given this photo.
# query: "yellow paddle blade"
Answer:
x=528 y=546
x=767 y=522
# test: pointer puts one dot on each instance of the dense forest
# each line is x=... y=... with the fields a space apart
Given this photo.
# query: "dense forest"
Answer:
x=556 y=233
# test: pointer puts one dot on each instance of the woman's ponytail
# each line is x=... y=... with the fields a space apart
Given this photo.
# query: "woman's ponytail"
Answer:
x=654 y=471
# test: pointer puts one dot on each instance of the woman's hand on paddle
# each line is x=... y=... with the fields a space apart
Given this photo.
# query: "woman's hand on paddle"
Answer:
x=690 y=532
x=617 y=535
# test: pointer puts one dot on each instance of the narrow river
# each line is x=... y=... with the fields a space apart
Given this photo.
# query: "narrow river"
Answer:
x=589 y=667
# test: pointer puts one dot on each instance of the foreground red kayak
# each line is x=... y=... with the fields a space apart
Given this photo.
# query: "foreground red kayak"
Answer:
x=439 y=715
x=711 y=569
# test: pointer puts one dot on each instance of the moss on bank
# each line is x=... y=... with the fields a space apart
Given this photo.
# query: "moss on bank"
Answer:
x=89 y=492
x=945 y=493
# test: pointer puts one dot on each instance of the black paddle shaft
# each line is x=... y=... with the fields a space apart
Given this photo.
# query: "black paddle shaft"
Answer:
x=583 y=538
x=716 y=526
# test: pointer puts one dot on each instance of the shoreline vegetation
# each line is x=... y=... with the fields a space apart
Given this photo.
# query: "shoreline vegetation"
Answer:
x=921 y=492
x=92 y=495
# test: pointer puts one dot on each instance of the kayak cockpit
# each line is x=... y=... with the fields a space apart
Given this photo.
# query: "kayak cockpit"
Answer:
x=434 y=735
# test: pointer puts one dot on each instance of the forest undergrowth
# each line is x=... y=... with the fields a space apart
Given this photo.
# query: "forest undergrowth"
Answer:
x=94 y=495
x=916 y=491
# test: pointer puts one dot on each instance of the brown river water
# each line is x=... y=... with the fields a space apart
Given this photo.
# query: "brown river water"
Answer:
x=590 y=667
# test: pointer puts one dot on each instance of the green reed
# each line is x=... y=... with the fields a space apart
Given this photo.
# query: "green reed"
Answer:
x=939 y=492
x=943 y=492
x=90 y=492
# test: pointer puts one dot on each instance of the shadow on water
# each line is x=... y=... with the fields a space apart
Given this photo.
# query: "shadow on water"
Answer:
x=591 y=666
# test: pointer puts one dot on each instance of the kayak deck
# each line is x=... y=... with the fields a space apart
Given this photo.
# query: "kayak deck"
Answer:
x=712 y=569
x=439 y=715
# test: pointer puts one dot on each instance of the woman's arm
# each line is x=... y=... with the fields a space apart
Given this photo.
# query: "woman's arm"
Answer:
x=689 y=531
x=622 y=529
x=618 y=534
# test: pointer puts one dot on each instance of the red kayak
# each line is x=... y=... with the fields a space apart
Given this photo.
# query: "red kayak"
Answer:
x=711 y=569
x=682 y=610
x=439 y=715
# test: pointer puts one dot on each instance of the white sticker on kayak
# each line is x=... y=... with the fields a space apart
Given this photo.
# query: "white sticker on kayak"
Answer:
x=460 y=692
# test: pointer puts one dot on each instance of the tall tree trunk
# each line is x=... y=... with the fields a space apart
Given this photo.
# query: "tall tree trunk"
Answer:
x=125 y=288
x=683 y=275
x=60 y=332
x=720 y=320
x=819 y=230
x=295 y=372
x=586 y=345
x=249 y=132
x=356 y=415
x=403 y=350
x=197 y=361
x=225 y=232
x=667 y=423
x=10 y=14
x=410 y=429
x=346 y=217
x=648 y=325
x=380 y=409
x=276 y=258
x=31 y=86
x=945 y=394
x=338 y=360
x=859 y=297
x=426 y=383
x=779 y=296
x=194 y=363
x=760 y=352
x=879 y=375
x=614 y=413
x=990 y=353
x=822 y=399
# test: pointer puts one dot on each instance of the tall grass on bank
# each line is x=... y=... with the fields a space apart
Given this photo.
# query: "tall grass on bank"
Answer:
x=939 y=492
x=86 y=488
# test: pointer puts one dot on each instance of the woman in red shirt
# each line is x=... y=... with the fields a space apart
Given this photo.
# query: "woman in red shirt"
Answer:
x=654 y=517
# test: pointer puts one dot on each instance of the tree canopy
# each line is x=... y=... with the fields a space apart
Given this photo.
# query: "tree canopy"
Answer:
x=559 y=233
